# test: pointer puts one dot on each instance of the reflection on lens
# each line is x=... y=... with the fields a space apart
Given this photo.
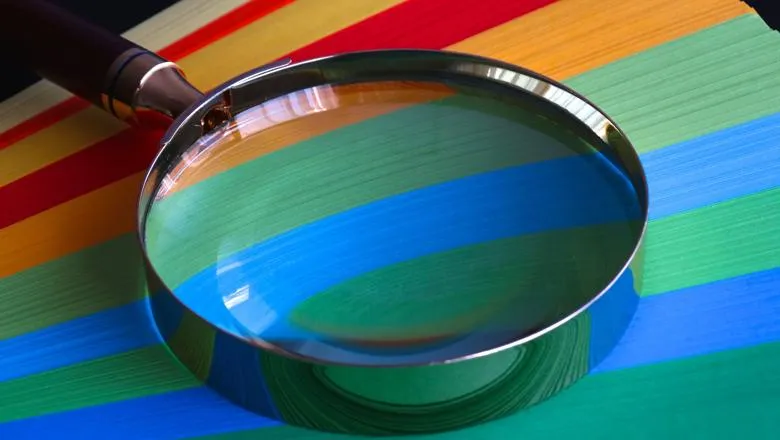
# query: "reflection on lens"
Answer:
x=392 y=223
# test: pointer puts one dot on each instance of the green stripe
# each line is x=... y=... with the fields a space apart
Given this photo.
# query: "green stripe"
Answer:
x=713 y=79
x=124 y=376
x=721 y=241
x=731 y=394
x=496 y=283
x=95 y=279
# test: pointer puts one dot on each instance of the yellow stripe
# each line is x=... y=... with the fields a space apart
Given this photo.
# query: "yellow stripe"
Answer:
x=265 y=40
x=630 y=40
x=573 y=36
x=302 y=22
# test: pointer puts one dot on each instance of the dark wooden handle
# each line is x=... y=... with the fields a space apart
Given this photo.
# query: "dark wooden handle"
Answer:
x=59 y=46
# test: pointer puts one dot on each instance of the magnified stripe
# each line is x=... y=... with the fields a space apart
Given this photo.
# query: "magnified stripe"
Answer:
x=492 y=287
x=281 y=31
x=631 y=37
x=345 y=169
x=288 y=268
x=276 y=125
x=319 y=121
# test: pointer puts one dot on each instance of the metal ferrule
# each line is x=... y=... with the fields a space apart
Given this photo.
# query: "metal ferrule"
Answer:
x=144 y=89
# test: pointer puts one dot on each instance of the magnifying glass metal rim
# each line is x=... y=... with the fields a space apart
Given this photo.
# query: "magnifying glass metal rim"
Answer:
x=408 y=63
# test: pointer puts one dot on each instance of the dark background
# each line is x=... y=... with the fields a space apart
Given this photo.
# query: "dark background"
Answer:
x=116 y=16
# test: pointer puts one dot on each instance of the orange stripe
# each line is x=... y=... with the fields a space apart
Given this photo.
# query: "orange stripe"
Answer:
x=299 y=117
x=624 y=39
x=558 y=42
x=70 y=227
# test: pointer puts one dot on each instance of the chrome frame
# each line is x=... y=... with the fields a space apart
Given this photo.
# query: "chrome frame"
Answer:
x=282 y=78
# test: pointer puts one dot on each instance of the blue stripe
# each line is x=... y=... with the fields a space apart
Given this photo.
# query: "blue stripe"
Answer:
x=723 y=315
x=665 y=327
x=724 y=165
x=278 y=273
x=179 y=414
x=101 y=334
x=677 y=184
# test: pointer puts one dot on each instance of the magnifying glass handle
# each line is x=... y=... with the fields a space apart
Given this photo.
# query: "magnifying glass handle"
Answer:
x=126 y=80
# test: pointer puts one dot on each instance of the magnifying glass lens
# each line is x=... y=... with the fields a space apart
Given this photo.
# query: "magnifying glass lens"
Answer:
x=388 y=223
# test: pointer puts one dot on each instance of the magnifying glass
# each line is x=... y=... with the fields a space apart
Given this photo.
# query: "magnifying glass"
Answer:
x=371 y=218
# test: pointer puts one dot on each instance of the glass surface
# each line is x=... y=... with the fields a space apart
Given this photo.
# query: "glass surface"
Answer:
x=392 y=222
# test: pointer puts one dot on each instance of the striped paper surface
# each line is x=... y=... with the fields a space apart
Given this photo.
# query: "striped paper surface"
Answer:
x=696 y=86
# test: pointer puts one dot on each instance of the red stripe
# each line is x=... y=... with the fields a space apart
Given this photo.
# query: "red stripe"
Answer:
x=220 y=27
x=48 y=117
x=421 y=24
x=436 y=24
x=89 y=169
